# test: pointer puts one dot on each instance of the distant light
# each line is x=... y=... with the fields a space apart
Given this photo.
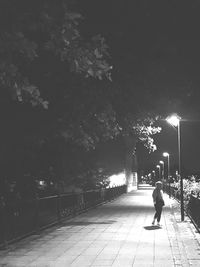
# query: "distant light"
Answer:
x=161 y=162
x=173 y=120
x=157 y=166
x=165 y=154
x=117 y=179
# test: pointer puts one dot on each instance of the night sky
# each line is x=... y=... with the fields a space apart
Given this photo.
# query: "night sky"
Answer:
x=156 y=43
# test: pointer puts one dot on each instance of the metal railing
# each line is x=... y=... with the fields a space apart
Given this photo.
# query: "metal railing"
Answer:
x=194 y=210
x=24 y=218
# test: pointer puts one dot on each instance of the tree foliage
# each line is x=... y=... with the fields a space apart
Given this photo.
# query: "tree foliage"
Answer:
x=30 y=29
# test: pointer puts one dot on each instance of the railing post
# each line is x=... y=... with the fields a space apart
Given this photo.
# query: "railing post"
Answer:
x=59 y=207
x=75 y=204
x=3 y=221
x=108 y=193
x=80 y=201
x=102 y=194
x=37 y=206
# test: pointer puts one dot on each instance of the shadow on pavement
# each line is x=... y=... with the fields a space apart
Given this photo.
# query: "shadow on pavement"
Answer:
x=152 y=227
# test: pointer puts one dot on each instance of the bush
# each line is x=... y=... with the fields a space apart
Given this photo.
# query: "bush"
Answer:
x=189 y=187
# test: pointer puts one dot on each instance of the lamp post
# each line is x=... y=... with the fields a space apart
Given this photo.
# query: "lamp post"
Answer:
x=175 y=120
x=153 y=172
x=163 y=169
x=158 y=167
x=166 y=154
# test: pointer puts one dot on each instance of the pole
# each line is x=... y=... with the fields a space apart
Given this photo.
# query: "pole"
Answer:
x=154 y=178
x=180 y=174
x=168 y=173
x=159 y=173
x=163 y=172
x=158 y=167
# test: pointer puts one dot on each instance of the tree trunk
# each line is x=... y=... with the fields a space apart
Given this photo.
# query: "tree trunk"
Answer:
x=130 y=162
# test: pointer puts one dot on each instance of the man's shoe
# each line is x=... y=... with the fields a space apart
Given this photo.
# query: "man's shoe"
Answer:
x=153 y=222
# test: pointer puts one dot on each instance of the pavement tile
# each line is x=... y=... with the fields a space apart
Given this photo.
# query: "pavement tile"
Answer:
x=103 y=262
x=82 y=261
x=125 y=259
x=143 y=263
x=74 y=252
x=66 y=257
x=119 y=264
x=106 y=256
x=161 y=263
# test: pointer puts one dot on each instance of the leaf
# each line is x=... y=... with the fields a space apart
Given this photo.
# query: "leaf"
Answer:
x=97 y=53
x=91 y=72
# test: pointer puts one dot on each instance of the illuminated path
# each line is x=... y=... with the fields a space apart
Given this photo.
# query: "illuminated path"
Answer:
x=118 y=233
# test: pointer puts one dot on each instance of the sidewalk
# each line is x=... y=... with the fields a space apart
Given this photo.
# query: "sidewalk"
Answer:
x=118 y=233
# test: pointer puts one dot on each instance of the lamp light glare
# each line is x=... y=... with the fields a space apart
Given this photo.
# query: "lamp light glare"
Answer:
x=173 y=120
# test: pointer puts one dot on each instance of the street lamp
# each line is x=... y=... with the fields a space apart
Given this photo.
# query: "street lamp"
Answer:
x=163 y=168
x=158 y=166
x=175 y=120
x=166 y=154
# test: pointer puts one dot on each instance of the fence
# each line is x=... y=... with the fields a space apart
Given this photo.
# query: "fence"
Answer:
x=23 y=218
x=191 y=204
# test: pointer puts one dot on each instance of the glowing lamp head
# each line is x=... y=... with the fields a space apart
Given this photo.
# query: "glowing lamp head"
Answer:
x=161 y=162
x=157 y=166
x=165 y=154
x=173 y=120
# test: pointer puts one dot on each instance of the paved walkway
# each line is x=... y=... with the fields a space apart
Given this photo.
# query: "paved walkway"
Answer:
x=118 y=233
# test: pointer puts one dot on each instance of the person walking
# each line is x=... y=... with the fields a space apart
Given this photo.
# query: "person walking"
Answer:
x=158 y=202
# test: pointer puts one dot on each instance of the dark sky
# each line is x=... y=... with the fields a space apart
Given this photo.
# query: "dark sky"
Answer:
x=158 y=44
